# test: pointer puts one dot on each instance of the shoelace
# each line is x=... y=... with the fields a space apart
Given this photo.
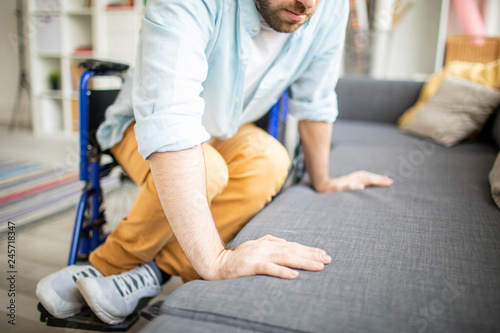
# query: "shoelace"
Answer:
x=82 y=274
x=139 y=278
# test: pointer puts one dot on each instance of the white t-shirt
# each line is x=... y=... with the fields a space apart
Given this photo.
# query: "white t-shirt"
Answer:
x=266 y=46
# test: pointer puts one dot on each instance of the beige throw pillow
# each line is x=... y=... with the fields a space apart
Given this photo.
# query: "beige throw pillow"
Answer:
x=487 y=74
x=459 y=109
x=495 y=181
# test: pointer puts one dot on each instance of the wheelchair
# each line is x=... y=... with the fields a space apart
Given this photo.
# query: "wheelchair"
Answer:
x=90 y=216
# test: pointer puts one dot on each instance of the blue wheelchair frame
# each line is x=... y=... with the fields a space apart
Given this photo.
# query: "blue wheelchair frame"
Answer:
x=87 y=231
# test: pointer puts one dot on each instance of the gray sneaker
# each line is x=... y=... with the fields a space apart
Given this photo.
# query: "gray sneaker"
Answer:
x=58 y=292
x=113 y=298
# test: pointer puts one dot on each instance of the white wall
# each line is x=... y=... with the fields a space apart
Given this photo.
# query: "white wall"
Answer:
x=9 y=68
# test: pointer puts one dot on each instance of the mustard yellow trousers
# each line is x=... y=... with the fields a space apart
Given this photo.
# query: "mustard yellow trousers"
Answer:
x=243 y=174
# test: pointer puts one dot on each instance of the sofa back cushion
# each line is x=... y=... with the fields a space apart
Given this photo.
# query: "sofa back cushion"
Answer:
x=491 y=130
x=367 y=99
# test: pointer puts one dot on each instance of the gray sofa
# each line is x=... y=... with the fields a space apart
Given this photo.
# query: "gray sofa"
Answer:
x=420 y=256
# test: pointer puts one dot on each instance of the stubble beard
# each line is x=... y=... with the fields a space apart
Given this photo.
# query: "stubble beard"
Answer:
x=274 y=17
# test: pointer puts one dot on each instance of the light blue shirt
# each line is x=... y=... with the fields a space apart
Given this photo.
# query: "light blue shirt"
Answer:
x=189 y=77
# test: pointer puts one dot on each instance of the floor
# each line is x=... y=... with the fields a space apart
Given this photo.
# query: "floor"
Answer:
x=42 y=248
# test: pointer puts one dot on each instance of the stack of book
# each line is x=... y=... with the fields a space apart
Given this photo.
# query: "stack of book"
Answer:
x=119 y=4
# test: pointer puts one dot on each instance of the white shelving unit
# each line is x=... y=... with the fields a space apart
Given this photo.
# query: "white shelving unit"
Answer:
x=63 y=33
x=416 y=47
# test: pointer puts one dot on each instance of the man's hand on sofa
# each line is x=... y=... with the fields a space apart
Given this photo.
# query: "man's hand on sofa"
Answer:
x=354 y=181
x=272 y=256
x=316 y=139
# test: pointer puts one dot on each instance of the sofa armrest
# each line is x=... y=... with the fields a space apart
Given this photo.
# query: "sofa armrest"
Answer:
x=491 y=130
x=367 y=99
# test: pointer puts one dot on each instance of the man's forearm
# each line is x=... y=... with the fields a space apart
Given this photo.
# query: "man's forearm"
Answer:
x=180 y=180
x=181 y=184
x=316 y=139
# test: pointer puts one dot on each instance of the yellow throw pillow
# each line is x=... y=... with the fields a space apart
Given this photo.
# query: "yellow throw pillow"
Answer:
x=486 y=74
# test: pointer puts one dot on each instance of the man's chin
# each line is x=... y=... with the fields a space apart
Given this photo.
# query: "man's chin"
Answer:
x=287 y=27
x=279 y=21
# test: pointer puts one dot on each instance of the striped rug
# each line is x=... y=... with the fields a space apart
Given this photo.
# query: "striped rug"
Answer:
x=30 y=192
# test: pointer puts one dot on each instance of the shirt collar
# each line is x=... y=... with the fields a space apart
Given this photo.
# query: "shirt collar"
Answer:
x=250 y=16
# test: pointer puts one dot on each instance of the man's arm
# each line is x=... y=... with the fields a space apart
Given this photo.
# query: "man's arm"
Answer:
x=181 y=184
x=316 y=139
x=171 y=68
x=313 y=102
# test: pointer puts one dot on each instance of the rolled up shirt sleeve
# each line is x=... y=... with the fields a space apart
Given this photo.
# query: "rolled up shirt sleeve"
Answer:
x=312 y=95
x=170 y=69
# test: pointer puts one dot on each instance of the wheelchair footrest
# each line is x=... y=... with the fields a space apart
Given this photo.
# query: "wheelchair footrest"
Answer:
x=152 y=311
x=86 y=320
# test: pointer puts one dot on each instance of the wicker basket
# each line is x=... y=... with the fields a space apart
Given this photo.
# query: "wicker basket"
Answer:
x=470 y=49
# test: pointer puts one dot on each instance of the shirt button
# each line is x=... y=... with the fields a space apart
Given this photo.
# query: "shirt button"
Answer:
x=237 y=100
x=256 y=28
x=243 y=57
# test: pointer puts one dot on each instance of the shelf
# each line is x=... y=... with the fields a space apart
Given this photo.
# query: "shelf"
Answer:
x=121 y=10
x=46 y=67
x=81 y=56
x=45 y=5
x=48 y=34
x=78 y=6
x=78 y=12
x=54 y=94
x=45 y=12
x=78 y=33
x=51 y=115
x=58 y=56
x=49 y=55
x=66 y=26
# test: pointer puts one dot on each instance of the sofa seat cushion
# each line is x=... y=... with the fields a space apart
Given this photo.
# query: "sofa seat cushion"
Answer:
x=423 y=254
x=172 y=323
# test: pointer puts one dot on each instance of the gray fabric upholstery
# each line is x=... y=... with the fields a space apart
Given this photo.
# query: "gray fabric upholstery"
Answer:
x=383 y=134
x=363 y=98
x=168 y=323
x=422 y=255
x=366 y=99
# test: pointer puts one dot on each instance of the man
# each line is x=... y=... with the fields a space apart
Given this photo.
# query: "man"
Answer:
x=209 y=69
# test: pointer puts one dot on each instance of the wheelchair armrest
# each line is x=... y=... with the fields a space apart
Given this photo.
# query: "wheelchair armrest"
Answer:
x=101 y=67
